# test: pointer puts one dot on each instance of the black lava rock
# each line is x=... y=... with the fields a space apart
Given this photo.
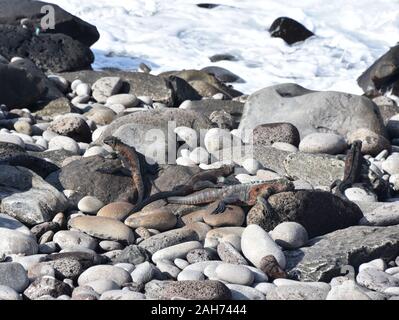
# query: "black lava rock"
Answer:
x=289 y=30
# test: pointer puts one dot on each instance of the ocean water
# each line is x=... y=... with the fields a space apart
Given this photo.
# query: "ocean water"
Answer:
x=176 y=34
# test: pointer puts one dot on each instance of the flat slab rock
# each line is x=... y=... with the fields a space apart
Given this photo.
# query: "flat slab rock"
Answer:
x=326 y=255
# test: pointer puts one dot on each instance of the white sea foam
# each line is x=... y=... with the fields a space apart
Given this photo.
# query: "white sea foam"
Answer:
x=176 y=34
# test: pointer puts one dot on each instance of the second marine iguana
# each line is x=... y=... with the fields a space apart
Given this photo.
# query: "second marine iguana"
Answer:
x=240 y=194
x=199 y=181
x=136 y=161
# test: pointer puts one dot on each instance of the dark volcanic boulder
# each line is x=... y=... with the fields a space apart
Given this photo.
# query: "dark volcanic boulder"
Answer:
x=222 y=74
x=95 y=176
x=318 y=211
x=289 y=30
x=19 y=88
x=50 y=52
x=382 y=75
x=324 y=257
x=12 y=11
x=267 y=134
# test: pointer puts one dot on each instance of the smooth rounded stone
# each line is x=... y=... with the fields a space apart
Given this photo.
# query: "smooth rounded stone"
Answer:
x=168 y=239
x=290 y=235
x=129 y=267
x=160 y=219
x=122 y=295
x=116 y=210
x=75 y=83
x=359 y=194
x=264 y=287
x=329 y=143
x=98 y=132
x=111 y=255
x=391 y=164
x=394 y=181
x=95 y=151
x=203 y=265
x=104 y=272
x=46 y=237
x=251 y=166
x=233 y=216
x=199 y=155
x=376 y=280
x=348 y=290
x=185 y=162
x=234 y=240
x=372 y=143
x=9 y=294
x=49 y=247
x=66 y=143
x=143 y=273
x=106 y=87
x=15 y=242
x=288 y=282
x=241 y=292
x=217 y=139
x=90 y=205
x=283 y=146
x=128 y=100
x=188 y=135
x=107 y=245
x=192 y=290
x=48 y=135
x=177 y=251
x=71 y=126
x=71 y=238
x=42 y=143
x=13 y=275
x=200 y=228
x=190 y=275
x=168 y=268
x=234 y=274
x=394 y=291
x=181 y=263
x=103 y=228
x=102 y=285
x=100 y=115
x=229 y=254
x=378 y=264
x=83 y=89
x=385 y=215
x=392 y=271
x=199 y=255
x=11 y=138
x=117 y=108
x=47 y=285
x=23 y=127
x=256 y=243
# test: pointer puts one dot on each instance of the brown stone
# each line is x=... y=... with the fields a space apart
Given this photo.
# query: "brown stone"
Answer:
x=116 y=210
x=233 y=216
x=160 y=219
x=271 y=268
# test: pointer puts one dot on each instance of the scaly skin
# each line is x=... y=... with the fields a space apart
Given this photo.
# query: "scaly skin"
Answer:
x=197 y=182
x=130 y=154
x=240 y=194
x=352 y=171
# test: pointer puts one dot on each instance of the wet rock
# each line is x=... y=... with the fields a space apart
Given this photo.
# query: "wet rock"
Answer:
x=289 y=30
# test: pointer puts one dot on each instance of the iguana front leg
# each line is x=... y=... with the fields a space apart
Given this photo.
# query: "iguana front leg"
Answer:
x=222 y=204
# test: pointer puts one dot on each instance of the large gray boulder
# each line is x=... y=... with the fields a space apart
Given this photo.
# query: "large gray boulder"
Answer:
x=324 y=257
x=12 y=11
x=311 y=111
x=27 y=197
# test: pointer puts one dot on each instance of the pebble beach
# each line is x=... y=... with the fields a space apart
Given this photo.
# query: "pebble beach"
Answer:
x=132 y=176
